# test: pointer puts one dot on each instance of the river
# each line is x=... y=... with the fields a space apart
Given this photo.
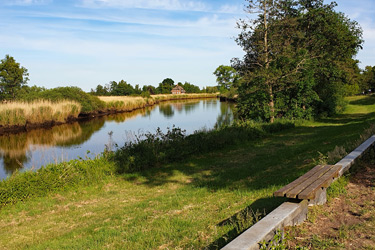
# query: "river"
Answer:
x=33 y=149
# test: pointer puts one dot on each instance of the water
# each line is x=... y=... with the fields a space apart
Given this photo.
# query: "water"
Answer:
x=33 y=149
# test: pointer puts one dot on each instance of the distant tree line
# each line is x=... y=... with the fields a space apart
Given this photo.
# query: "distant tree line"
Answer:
x=165 y=87
x=14 y=78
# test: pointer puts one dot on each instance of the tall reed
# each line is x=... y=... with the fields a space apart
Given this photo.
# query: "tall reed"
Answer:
x=130 y=103
x=37 y=112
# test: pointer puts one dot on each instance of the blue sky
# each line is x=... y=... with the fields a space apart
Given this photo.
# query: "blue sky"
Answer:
x=89 y=42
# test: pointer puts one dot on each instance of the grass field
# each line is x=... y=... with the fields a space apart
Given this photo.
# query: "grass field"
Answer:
x=201 y=202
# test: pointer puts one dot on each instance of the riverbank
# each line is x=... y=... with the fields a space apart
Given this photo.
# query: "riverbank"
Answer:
x=24 y=116
x=205 y=200
x=130 y=103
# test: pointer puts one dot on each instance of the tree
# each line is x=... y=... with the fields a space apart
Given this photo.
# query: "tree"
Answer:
x=121 y=88
x=332 y=40
x=226 y=77
x=296 y=53
x=150 y=89
x=368 y=79
x=12 y=77
x=190 y=88
x=165 y=86
x=101 y=91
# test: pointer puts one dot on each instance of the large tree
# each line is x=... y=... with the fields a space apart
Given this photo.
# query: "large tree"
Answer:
x=226 y=77
x=294 y=57
x=368 y=79
x=165 y=86
x=12 y=78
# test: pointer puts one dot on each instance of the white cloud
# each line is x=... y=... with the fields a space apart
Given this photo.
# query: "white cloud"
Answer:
x=146 y=4
x=234 y=9
x=25 y=2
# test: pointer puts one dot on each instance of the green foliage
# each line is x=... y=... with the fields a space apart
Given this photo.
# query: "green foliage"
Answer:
x=278 y=242
x=12 y=78
x=52 y=178
x=165 y=86
x=121 y=88
x=88 y=102
x=368 y=79
x=227 y=77
x=148 y=150
x=150 y=89
x=101 y=91
x=209 y=89
x=190 y=88
x=304 y=72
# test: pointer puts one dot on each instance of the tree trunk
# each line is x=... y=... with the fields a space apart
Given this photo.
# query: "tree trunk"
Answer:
x=267 y=63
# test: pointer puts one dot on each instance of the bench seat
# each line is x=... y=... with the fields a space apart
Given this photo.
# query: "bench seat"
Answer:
x=308 y=185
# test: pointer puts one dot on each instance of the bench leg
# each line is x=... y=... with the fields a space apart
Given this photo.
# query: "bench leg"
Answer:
x=320 y=197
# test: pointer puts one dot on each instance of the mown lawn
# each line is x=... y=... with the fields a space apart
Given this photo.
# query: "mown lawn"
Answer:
x=201 y=202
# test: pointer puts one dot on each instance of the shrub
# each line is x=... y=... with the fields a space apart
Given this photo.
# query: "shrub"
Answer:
x=148 y=150
x=88 y=102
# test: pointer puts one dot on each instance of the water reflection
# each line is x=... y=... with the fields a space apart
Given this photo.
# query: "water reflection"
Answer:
x=23 y=150
x=15 y=148
x=226 y=116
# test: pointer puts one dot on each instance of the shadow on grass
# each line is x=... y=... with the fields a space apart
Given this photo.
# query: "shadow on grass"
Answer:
x=266 y=163
x=370 y=100
x=263 y=165
x=347 y=118
x=245 y=219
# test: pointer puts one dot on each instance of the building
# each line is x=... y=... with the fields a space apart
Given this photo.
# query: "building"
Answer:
x=178 y=90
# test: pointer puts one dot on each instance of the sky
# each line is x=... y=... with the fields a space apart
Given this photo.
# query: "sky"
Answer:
x=89 y=42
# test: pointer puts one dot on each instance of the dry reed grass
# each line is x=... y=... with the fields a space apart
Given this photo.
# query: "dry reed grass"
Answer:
x=130 y=103
x=37 y=112
x=125 y=103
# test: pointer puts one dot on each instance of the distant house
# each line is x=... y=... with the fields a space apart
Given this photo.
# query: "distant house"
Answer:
x=178 y=90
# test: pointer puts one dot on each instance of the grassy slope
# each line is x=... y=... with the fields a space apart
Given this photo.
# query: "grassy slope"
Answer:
x=181 y=205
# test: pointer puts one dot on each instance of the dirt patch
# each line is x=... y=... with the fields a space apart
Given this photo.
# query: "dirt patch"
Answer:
x=345 y=222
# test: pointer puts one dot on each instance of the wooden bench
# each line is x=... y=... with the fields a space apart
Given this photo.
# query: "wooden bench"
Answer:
x=312 y=185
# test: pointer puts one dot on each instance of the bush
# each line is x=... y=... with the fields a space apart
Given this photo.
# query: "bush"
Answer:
x=148 y=150
x=88 y=102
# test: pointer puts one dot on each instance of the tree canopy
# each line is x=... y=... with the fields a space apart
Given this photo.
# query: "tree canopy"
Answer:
x=12 y=78
x=226 y=77
x=297 y=53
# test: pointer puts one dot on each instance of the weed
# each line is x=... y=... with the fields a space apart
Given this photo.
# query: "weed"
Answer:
x=278 y=242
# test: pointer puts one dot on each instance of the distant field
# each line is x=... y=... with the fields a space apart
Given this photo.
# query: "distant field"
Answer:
x=203 y=201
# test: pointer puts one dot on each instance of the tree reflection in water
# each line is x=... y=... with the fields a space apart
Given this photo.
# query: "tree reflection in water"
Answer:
x=18 y=150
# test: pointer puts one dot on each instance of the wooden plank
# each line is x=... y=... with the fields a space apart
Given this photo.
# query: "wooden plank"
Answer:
x=282 y=191
x=302 y=186
x=324 y=181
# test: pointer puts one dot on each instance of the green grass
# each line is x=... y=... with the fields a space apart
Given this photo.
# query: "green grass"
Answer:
x=201 y=201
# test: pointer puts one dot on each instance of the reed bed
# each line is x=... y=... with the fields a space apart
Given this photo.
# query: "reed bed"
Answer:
x=167 y=97
x=37 y=112
x=125 y=103
x=130 y=103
